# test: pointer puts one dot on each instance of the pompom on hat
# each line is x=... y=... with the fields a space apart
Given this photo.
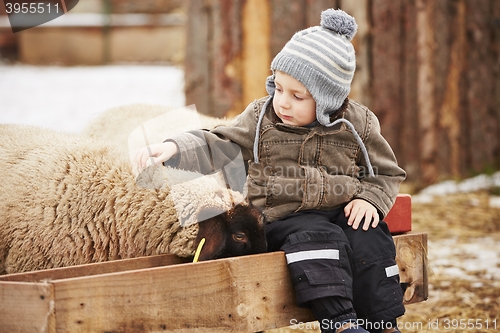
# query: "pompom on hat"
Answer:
x=322 y=58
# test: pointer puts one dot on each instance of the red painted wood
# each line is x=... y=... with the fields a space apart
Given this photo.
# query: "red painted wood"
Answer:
x=399 y=217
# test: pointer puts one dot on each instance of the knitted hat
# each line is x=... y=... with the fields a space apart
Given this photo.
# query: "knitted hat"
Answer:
x=321 y=58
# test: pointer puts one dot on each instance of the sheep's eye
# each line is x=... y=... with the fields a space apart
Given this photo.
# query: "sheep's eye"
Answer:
x=239 y=237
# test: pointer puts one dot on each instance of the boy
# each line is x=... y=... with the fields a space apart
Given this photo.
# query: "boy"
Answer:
x=310 y=152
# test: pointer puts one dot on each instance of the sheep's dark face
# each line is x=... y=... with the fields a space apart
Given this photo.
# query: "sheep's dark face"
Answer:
x=234 y=233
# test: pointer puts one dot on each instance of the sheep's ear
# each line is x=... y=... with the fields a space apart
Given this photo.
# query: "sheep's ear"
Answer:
x=215 y=234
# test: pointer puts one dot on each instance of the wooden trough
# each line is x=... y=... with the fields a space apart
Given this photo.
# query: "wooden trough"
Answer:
x=167 y=294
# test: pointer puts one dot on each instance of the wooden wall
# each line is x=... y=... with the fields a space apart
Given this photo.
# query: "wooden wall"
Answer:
x=429 y=69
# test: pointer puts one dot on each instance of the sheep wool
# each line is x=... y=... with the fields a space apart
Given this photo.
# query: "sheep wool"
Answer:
x=116 y=124
x=68 y=200
x=191 y=204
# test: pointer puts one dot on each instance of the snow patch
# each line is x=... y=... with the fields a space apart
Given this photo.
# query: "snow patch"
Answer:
x=67 y=98
x=465 y=260
x=477 y=183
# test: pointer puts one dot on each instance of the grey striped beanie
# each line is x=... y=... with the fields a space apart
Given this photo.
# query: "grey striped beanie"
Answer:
x=322 y=58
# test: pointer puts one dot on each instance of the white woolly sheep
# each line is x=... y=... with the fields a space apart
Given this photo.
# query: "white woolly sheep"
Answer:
x=116 y=124
x=68 y=200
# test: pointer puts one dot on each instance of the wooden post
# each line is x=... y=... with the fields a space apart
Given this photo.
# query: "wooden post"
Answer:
x=386 y=67
x=361 y=84
x=196 y=64
x=411 y=257
x=27 y=307
x=409 y=136
x=256 y=55
x=95 y=268
x=213 y=55
x=495 y=69
x=482 y=126
x=425 y=91
x=451 y=111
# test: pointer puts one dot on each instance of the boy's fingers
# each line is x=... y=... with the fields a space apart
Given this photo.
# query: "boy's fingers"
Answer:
x=353 y=214
x=347 y=209
x=143 y=158
x=368 y=221
x=357 y=221
x=376 y=220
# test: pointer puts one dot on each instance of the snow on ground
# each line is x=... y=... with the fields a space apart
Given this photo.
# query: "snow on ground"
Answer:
x=475 y=260
x=477 y=183
x=67 y=98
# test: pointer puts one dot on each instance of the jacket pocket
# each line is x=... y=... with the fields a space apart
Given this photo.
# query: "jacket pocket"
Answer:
x=282 y=190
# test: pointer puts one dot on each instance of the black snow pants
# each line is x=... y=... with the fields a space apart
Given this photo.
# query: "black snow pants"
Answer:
x=341 y=273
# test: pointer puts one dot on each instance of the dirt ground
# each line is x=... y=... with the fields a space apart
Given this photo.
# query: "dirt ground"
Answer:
x=464 y=265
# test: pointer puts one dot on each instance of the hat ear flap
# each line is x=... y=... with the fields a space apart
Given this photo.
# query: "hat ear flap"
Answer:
x=322 y=115
x=270 y=85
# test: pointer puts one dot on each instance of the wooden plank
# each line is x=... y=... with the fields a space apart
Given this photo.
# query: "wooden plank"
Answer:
x=95 y=268
x=287 y=17
x=266 y=298
x=386 y=32
x=150 y=6
x=182 y=298
x=64 y=45
x=399 y=218
x=409 y=156
x=314 y=8
x=225 y=48
x=255 y=54
x=243 y=294
x=482 y=130
x=495 y=47
x=411 y=257
x=360 y=87
x=426 y=101
x=453 y=47
x=27 y=307
x=197 y=59
x=147 y=44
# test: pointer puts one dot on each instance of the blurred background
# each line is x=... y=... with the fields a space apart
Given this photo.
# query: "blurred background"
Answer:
x=429 y=69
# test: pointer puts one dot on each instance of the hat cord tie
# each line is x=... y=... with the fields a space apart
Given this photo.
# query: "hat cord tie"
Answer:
x=341 y=120
x=257 y=131
x=359 y=140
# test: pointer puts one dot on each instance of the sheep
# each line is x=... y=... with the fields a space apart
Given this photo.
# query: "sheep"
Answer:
x=66 y=200
x=116 y=124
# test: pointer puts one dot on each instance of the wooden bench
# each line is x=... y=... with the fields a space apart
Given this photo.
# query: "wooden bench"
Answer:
x=166 y=293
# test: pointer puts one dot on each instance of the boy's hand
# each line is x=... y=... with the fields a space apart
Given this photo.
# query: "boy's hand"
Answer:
x=154 y=154
x=359 y=208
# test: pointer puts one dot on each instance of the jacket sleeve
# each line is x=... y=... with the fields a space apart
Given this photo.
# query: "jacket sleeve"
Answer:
x=381 y=190
x=207 y=151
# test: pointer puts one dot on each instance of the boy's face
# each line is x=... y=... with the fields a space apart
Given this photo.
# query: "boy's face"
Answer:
x=292 y=103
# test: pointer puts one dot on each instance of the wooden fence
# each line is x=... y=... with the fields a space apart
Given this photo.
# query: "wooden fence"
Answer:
x=429 y=69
